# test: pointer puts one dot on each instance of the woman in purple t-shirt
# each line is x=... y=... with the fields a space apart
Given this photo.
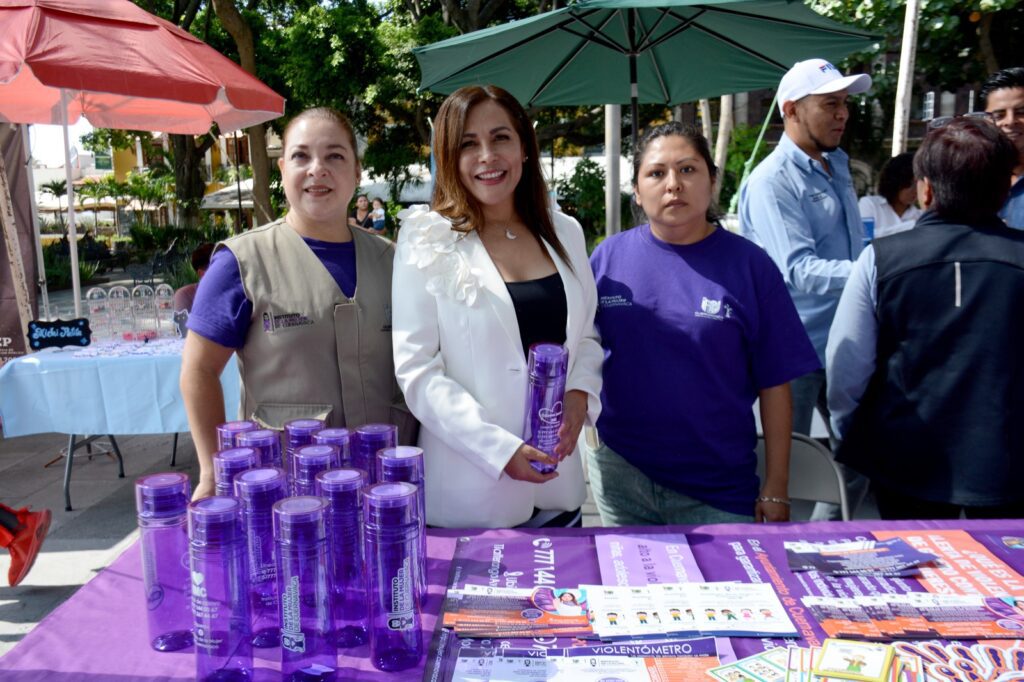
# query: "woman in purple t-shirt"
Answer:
x=696 y=324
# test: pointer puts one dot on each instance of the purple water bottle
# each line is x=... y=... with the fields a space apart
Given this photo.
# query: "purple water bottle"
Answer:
x=342 y=488
x=307 y=461
x=220 y=590
x=228 y=432
x=258 y=490
x=340 y=439
x=228 y=463
x=299 y=432
x=162 y=504
x=392 y=529
x=266 y=442
x=307 y=652
x=367 y=440
x=405 y=463
x=547 y=368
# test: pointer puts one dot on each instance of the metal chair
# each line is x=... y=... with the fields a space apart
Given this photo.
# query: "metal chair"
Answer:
x=813 y=474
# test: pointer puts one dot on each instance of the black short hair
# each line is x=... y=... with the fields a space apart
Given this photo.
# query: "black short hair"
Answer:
x=897 y=174
x=1012 y=77
x=969 y=163
x=688 y=132
x=201 y=256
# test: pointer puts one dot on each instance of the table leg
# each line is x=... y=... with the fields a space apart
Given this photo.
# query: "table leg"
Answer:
x=174 y=449
x=67 y=472
x=117 y=451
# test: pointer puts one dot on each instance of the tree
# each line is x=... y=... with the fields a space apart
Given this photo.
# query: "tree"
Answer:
x=56 y=189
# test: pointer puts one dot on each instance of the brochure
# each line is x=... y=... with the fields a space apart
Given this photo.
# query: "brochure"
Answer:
x=892 y=558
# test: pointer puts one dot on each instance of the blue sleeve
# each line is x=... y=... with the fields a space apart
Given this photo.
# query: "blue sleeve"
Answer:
x=221 y=311
x=852 y=342
x=773 y=213
x=781 y=350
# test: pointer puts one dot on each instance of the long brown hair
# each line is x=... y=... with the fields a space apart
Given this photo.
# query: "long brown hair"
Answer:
x=453 y=201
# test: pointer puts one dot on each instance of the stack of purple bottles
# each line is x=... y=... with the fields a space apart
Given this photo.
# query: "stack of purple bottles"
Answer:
x=392 y=526
x=267 y=443
x=299 y=432
x=228 y=432
x=162 y=504
x=339 y=438
x=367 y=441
x=548 y=366
x=307 y=652
x=258 y=490
x=342 y=488
x=307 y=461
x=220 y=590
x=405 y=463
x=228 y=463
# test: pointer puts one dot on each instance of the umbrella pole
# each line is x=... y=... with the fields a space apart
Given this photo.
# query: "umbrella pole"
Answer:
x=612 y=145
x=13 y=245
x=238 y=186
x=43 y=291
x=76 y=285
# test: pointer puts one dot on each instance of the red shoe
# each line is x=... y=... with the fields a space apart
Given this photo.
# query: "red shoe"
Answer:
x=26 y=543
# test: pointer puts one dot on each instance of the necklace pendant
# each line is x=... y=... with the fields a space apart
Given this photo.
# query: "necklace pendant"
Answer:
x=509 y=234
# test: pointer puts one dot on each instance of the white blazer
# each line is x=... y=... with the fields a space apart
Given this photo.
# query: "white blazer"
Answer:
x=459 y=360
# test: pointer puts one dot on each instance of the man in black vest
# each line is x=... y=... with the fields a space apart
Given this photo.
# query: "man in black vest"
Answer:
x=925 y=357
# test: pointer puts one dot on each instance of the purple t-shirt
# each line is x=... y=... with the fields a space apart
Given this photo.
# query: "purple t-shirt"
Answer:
x=691 y=334
x=222 y=313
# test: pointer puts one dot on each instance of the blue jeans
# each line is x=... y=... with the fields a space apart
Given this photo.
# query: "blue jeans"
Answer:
x=625 y=496
x=810 y=392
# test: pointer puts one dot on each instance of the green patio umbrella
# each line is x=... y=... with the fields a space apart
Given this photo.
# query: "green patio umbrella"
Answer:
x=638 y=51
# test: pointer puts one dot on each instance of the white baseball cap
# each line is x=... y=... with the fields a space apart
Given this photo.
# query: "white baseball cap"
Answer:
x=818 y=77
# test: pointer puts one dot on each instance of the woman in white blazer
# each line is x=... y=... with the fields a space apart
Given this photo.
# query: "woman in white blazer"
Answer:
x=486 y=273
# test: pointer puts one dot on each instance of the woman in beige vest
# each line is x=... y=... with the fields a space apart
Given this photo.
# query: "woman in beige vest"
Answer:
x=478 y=279
x=284 y=297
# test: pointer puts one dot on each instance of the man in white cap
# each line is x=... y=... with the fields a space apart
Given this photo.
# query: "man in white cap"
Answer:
x=800 y=205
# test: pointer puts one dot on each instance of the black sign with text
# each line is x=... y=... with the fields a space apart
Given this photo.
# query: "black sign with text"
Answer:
x=59 y=333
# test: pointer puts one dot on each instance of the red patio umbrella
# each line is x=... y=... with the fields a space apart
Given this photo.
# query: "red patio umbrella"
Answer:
x=120 y=67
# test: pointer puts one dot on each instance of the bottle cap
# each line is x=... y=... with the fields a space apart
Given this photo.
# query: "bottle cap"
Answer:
x=227 y=463
x=548 y=360
x=340 y=480
x=309 y=460
x=228 y=431
x=300 y=431
x=339 y=437
x=259 y=438
x=160 y=496
x=401 y=463
x=215 y=521
x=299 y=520
x=261 y=483
x=390 y=505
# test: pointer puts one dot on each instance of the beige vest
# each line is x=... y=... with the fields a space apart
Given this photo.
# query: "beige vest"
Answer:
x=311 y=352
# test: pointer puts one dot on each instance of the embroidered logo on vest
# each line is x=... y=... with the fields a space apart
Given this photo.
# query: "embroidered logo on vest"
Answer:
x=273 y=323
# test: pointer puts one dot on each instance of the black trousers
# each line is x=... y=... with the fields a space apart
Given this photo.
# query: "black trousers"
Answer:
x=896 y=505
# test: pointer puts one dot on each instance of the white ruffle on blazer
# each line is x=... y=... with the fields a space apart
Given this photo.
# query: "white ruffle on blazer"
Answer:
x=460 y=362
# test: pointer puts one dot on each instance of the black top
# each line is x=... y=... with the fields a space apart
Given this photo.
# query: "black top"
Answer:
x=541 y=310
x=366 y=222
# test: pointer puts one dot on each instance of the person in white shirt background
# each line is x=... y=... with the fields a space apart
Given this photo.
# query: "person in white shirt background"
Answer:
x=894 y=208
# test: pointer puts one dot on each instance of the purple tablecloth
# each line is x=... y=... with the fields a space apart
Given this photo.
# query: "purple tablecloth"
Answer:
x=99 y=635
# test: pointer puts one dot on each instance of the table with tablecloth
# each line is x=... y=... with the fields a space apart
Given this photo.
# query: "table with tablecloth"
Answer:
x=117 y=388
x=100 y=633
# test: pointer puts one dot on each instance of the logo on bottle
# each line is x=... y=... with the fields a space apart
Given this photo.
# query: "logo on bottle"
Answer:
x=401 y=616
x=197 y=585
x=292 y=636
x=551 y=415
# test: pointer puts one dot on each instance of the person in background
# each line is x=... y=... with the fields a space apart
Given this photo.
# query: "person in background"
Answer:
x=894 y=208
x=925 y=371
x=1002 y=95
x=361 y=215
x=696 y=323
x=22 y=533
x=312 y=340
x=185 y=295
x=380 y=222
x=800 y=205
x=487 y=273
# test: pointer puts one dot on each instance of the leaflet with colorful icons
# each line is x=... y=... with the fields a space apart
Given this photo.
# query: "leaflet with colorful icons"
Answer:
x=725 y=609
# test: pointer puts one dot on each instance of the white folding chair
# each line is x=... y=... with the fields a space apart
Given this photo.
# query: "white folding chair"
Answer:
x=813 y=474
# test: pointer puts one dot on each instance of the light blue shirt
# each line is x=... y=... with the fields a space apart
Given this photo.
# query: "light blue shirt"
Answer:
x=808 y=222
x=853 y=342
x=1013 y=209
